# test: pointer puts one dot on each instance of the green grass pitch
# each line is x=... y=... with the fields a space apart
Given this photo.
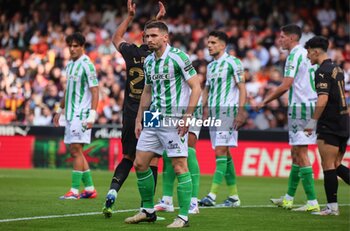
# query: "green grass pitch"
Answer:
x=33 y=193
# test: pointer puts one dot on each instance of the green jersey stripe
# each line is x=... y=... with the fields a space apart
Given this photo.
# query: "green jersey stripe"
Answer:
x=73 y=101
x=229 y=77
x=83 y=80
x=290 y=59
x=218 y=96
x=156 y=71
x=303 y=111
x=294 y=111
x=211 y=92
x=239 y=65
x=74 y=92
x=177 y=81
x=168 y=108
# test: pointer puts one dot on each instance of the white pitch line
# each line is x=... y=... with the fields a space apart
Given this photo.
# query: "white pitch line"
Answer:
x=129 y=210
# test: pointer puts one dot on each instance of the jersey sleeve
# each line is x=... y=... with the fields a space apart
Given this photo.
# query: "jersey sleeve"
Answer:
x=91 y=74
x=238 y=71
x=124 y=49
x=146 y=72
x=323 y=83
x=207 y=76
x=185 y=64
x=291 y=68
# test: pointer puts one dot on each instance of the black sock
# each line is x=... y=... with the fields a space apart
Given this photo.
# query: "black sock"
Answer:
x=331 y=185
x=155 y=176
x=121 y=172
x=344 y=173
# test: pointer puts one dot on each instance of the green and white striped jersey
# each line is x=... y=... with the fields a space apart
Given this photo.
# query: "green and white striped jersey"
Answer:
x=81 y=75
x=302 y=94
x=168 y=76
x=223 y=75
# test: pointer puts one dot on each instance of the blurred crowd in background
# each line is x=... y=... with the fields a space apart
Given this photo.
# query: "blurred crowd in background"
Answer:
x=33 y=53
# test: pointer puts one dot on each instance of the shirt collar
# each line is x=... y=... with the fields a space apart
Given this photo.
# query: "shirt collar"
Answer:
x=296 y=47
x=80 y=58
x=223 y=56
x=165 y=54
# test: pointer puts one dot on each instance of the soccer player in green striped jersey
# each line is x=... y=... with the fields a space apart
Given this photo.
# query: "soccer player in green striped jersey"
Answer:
x=166 y=203
x=80 y=103
x=224 y=98
x=134 y=57
x=172 y=88
x=299 y=80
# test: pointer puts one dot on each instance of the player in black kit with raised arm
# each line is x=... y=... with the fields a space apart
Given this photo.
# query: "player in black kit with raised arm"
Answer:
x=134 y=57
x=331 y=118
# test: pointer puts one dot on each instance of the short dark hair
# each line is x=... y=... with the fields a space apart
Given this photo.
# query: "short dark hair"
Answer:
x=76 y=37
x=157 y=24
x=317 y=42
x=220 y=35
x=292 y=29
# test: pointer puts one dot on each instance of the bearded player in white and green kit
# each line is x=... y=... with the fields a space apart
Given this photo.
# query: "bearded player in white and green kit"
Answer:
x=172 y=88
x=79 y=104
x=224 y=96
x=299 y=80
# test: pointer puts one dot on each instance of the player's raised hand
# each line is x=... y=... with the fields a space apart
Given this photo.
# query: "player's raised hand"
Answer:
x=161 y=12
x=131 y=8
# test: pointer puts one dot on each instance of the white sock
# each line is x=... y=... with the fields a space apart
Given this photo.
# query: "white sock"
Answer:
x=212 y=195
x=74 y=190
x=113 y=192
x=235 y=197
x=90 y=188
x=288 y=198
x=333 y=206
x=312 y=202
x=167 y=200
x=185 y=218
x=194 y=200
x=148 y=210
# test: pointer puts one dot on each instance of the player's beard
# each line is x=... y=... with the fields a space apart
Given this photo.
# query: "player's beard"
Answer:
x=215 y=55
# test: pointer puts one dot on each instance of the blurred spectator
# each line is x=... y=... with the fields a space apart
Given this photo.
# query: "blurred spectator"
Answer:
x=33 y=52
x=14 y=101
x=306 y=34
x=326 y=15
x=251 y=62
x=43 y=116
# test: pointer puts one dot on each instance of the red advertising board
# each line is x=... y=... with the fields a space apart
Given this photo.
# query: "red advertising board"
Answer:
x=251 y=158
x=265 y=159
x=16 y=151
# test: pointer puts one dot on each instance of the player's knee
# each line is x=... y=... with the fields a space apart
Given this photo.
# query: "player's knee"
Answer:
x=180 y=167
x=221 y=151
x=139 y=166
x=328 y=165
x=74 y=150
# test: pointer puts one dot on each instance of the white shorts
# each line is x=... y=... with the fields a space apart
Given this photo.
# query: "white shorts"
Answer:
x=159 y=139
x=224 y=135
x=296 y=133
x=195 y=130
x=75 y=133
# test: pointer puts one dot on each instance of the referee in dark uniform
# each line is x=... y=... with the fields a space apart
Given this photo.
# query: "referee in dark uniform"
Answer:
x=331 y=118
x=134 y=57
